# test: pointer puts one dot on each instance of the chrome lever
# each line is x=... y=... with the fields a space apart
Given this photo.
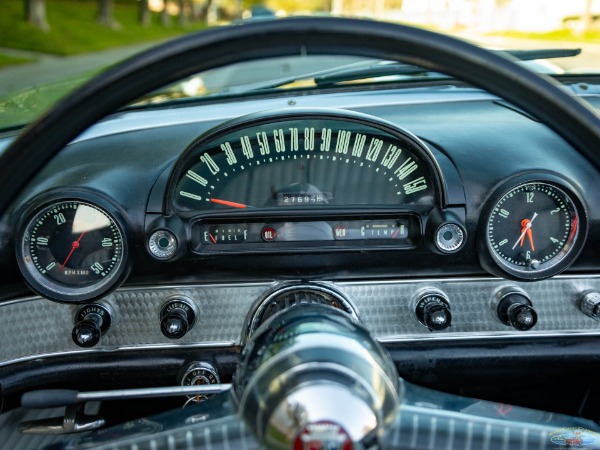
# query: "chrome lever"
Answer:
x=75 y=420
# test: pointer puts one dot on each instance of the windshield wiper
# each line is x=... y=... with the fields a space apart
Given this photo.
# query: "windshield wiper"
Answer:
x=378 y=69
x=390 y=68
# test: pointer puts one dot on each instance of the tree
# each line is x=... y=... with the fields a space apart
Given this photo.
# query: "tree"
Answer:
x=587 y=16
x=145 y=15
x=35 y=13
x=105 y=14
x=182 y=12
x=165 y=18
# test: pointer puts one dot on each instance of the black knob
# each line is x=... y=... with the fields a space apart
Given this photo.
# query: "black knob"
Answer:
x=91 y=323
x=515 y=309
x=86 y=333
x=433 y=311
x=176 y=318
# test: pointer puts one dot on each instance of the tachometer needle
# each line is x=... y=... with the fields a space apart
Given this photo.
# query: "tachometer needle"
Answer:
x=228 y=203
x=74 y=245
x=526 y=227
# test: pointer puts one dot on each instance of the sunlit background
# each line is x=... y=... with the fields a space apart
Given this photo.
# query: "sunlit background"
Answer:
x=48 y=47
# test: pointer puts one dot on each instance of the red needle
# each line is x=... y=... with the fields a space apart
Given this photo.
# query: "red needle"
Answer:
x=526 y=230
x=228 y=203
x=530 y=236
x=73 y=247
x=212 y=239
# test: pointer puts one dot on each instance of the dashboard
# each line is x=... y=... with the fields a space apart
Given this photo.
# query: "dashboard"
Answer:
x=431 y=215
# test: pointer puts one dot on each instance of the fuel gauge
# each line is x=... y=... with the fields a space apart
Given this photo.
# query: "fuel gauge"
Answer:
x=224 y=234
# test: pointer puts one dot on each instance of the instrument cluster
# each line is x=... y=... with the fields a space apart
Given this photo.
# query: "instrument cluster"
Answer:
x=299 y=181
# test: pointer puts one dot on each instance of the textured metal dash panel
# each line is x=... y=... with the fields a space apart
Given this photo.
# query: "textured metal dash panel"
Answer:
x=36 y=326
x=387 y=309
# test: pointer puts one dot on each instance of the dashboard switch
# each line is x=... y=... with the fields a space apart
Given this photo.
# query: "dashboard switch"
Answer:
x=590 y=304
x=449 y=238
x=91 y=323
x=515 y=309
x=433 y=310
x=200 y=373
x=162 y=244
x=177 y=317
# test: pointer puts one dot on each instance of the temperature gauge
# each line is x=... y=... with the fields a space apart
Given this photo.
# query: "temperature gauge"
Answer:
x=384 y=229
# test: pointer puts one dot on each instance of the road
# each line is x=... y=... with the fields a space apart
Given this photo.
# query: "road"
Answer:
x=51 y=68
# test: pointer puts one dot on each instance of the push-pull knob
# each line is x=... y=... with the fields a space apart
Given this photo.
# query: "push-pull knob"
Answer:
x=433 y=311
x=177 y=317
x=91 y=323
x=590 y=304
x=515 y=309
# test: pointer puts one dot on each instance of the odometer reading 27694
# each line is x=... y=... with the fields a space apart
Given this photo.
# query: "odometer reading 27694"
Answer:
x=314 y=160
x=532 y=229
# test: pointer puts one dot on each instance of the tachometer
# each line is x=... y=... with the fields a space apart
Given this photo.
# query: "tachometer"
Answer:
x=318 y=159
x=534 y=229
x=71 y=250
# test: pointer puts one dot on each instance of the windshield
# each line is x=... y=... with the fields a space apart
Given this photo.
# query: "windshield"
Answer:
x=47 y=49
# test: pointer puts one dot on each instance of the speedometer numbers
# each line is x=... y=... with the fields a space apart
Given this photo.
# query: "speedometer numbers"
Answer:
x=72 y=250
x=533 y=230
x=315 y=161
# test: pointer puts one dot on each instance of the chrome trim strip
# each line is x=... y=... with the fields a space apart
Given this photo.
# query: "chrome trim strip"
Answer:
x=146 y=347
x=384 y=306
x=497 y=335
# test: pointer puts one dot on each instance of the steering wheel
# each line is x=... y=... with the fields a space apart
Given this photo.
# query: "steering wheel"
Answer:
x=540 y=97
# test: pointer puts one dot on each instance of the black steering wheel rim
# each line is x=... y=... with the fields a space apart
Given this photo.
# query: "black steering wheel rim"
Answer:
x=541 y=97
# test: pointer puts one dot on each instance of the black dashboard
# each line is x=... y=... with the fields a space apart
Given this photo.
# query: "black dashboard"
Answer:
x=392 y=206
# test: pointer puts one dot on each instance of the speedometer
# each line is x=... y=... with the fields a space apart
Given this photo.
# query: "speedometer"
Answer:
x=317 y=159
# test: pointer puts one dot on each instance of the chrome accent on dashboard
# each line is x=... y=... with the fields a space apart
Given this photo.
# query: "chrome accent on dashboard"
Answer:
x=384 y=307
x=322 y=291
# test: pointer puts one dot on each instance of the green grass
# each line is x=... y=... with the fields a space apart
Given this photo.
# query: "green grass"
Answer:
x=73 y=28
x=557 y=35
x=7 y=60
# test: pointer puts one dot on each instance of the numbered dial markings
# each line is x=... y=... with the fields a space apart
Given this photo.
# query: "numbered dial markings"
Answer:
x=311 y=162
x=71 y=247
x=532 y=227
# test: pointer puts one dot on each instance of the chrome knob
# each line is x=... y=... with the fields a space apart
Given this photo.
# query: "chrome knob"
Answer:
x=590 y=304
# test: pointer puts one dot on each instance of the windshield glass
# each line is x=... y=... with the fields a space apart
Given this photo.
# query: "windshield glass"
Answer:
x=48 y=48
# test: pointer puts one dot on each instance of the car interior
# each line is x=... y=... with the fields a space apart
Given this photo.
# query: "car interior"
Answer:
x=408 y=262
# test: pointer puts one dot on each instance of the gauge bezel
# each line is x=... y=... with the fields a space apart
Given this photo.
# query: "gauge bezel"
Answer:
x=497 y=265
x=51 y=289
x=416 y=146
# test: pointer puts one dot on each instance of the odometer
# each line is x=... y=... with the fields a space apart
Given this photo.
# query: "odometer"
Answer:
x=314 y=160
x=71 y=250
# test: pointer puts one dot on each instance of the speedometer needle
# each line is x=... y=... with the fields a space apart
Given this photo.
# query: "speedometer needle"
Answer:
x=524 y=232
x=74 y=245
x=228 y=203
